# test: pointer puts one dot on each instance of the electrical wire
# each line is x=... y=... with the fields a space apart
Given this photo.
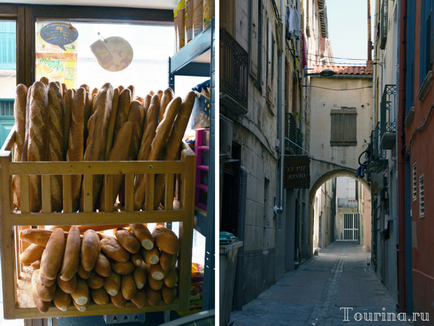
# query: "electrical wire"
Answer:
x=326 y=56
x=338 y=89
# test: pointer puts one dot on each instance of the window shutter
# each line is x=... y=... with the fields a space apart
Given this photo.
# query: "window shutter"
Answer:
x=254 y=40
x=269 y=52
x=343 y=127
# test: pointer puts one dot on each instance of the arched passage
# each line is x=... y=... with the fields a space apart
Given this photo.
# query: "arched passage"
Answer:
x=320 y=179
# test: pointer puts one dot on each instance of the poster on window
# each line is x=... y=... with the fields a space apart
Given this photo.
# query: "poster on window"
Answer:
x=56 y=52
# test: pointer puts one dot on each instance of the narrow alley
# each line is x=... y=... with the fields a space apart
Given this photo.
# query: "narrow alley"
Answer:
x=337 y=287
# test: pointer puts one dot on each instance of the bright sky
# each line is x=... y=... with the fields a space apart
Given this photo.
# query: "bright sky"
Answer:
x=348 y=26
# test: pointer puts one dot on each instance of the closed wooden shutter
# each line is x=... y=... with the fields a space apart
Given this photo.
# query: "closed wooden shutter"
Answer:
x=254 y=39
x=343 y=127
x=227 y=16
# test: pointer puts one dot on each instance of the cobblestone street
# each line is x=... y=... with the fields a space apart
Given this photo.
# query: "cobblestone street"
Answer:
x=318 y=292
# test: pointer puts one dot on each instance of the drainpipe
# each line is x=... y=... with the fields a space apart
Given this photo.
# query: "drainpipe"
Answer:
x=280 y=144
x=241 y=235
x=402 y=291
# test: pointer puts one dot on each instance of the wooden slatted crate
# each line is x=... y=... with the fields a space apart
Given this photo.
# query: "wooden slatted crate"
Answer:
x=11 y=221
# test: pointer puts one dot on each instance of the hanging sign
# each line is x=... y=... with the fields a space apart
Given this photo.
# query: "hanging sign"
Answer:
x=113 y=53
x=297 y=172
x=59 y=34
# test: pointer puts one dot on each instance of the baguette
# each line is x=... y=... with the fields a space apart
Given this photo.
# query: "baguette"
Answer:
x=119 y=152
x=102 y=266
x=123 y=268
x=123 y=109
x=36 y=236
x=137 y=258
x=112 y=284
x=31 y=254
x=90 y=249
x=118 y=300
x=145 y=148
x=156 y=272
x=140 y=276
x=76 y=140
x=42 y=306
x=45 y=281
x=169 y=294
x=174 y=143
x=36 y=264
x=53 y=254
x=111 y=124
x=128 y=287
x=100 y=296
x=44 y=80
x=160 y=94
x=111 y=247
x=143 y=235
x=128 y=240
x=68 y=97
x=166 y=240
x=81 y=307
x=55 y=141
x=64 y=89
x=154 y=297
x=20 y=128
x=132 y=88
x=154 y=284
x=167 y=261
x=151 y=257
x=136 y=117
x=37 y=146
x=25 y=154
x=45 y=292
x=84 y=274
x=165 y=100
x=61 y=300
x=139 y=299
x=71 y=259
x=95 y=281
x=68 y=286
x=87 y=114
x=172 y=278
x=81 y=293
x=121 y=88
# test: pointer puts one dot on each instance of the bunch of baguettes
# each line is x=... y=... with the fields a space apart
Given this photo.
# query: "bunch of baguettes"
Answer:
x=81 y=265
x=54 y=123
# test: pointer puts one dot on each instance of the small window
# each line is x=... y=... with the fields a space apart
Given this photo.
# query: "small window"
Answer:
x=414 y=181
x=343 y=127
x=422 y=197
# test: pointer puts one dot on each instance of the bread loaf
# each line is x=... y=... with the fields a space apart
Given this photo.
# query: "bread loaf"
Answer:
x=25 y=154
x=119 y=152
x=95 y=281
x=160 y=94
x=140 y=276
x=169 y=294
x=37 y=147
x=20 y=133
x=171 y=278
x=111 y=124
x=81 y=307
x=36 y=236
x=118 y=300
x=81 y=293
x=123 y=109
x=167 y=261
x=154 y=284
x=102 y=266
x=137 y=258
x=44 y=80
x=100 y=296
x=64 y=89
x=166 y=240
x=36 y=264
x=71 y=258
x=67 y=108
x=128 y=287
x=132 y=88
x=53 y=254
x=87 y=114
x=122 y=268
x=151 y=257
x=145 y=148
x=143 y=235
x=156 y=272
x=154 y=297
x=61 y=300
x=45 y=281
x=55 y=141
x=112 y=284
x=90 y=249
x=174 y=143
x=68 y=286
x=41 y=305
x=112 y=248
x=136 y=117
x=165 y=100
x=84 y=274
x=45 y=292
x=31 y=254
x=139 y=299
x=128 y=241
x=76 y=140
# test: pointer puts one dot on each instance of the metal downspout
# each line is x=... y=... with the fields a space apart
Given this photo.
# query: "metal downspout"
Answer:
x=241 y=235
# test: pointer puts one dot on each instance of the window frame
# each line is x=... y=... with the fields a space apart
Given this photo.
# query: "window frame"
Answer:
x=421 y=196
x=426 y=40
x=344 y=142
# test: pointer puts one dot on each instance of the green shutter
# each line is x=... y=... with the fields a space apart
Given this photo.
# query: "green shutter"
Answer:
x=8 y=45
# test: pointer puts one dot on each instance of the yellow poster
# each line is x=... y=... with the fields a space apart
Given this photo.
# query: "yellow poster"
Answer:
x=57 y=63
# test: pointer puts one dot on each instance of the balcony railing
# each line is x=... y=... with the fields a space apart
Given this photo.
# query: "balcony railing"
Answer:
x=293 y=135
x=388 y=120
x=233 y=73
x=376 y=154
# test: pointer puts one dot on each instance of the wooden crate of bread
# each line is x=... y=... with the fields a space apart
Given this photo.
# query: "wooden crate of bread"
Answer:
x=24 y=224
